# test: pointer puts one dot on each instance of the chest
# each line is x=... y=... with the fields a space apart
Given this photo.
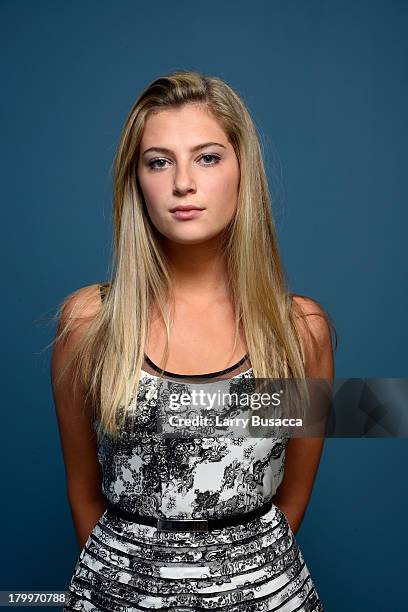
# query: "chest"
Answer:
x=201 y=338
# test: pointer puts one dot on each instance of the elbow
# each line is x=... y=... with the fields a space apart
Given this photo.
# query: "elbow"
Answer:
x=79 y=496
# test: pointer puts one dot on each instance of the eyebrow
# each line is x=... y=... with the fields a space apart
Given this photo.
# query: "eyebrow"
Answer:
x=192 y=150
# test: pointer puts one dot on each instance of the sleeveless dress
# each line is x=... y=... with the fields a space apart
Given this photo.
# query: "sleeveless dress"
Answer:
x=126 y=566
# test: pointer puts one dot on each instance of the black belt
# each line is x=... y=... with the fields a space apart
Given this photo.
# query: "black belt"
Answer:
x=168 y=524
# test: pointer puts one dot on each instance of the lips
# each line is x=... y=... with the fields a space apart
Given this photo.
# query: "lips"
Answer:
x=186 y=213
x=187 y=207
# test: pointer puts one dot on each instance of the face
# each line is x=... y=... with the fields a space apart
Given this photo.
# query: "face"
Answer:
x=177 y=167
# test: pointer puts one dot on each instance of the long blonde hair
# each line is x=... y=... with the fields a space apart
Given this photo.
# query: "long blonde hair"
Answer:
x=110 y=355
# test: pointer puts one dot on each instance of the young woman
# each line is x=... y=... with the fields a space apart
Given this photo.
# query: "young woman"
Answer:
x=197 y=294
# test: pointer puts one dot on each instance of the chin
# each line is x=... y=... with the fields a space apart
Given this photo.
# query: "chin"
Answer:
x=188 y=240
x=190 y=237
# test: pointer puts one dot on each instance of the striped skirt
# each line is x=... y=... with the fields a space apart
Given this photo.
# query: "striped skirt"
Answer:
x=125 y=566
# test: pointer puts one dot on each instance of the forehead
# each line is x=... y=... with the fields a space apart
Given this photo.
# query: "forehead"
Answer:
x=187 y=124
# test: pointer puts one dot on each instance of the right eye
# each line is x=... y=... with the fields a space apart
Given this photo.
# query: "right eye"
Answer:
x=154 y=161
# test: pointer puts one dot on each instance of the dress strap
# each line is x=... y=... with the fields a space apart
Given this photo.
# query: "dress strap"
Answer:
x=209 y=375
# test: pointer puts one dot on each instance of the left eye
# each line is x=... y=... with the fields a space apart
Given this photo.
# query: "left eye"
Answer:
x=214 y=157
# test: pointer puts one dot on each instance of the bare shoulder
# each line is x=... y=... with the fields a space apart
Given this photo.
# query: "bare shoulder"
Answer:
x=82 y=303
x=314 y=325
x=310 y=312
x=75 y=315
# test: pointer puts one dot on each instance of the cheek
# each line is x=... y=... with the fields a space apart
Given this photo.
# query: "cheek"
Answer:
x=153 y=195
x=224 y=192
x=150 y=191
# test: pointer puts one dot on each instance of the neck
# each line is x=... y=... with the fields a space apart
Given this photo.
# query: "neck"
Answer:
x=197 y=269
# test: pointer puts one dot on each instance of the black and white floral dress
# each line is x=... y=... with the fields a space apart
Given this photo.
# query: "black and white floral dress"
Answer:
x=128 y=566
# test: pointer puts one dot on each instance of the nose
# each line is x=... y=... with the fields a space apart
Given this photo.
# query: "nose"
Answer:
x=183 y=180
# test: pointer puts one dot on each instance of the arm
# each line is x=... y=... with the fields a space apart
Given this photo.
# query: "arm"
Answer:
x=303 y=454
x=78 y=441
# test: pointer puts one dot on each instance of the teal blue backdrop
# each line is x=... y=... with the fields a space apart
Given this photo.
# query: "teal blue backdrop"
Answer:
x=326 y=83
